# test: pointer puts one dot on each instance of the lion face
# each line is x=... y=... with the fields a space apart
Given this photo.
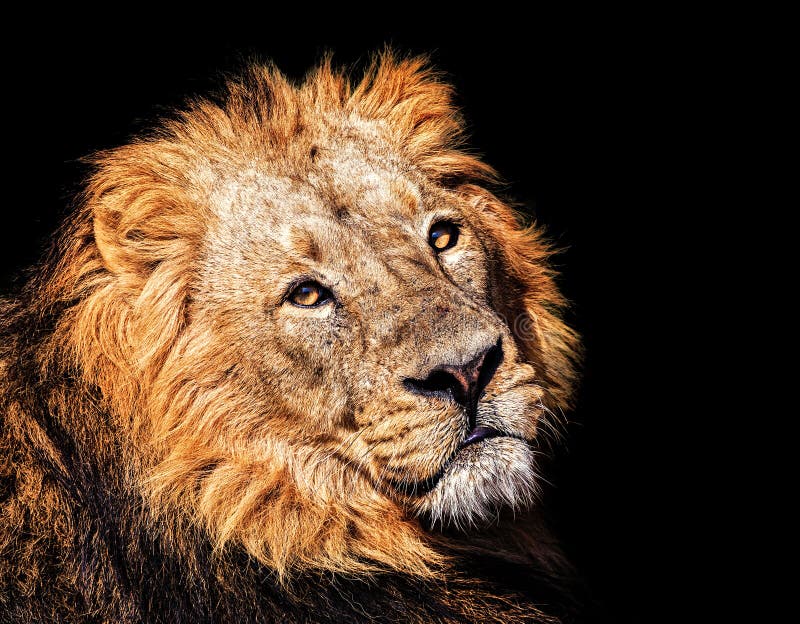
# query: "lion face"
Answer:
x=325 y=328
x=371 y=317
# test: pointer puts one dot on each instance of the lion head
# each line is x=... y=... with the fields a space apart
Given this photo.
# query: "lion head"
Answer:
x=323 y=335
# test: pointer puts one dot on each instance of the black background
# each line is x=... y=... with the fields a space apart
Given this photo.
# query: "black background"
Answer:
x=579 y=115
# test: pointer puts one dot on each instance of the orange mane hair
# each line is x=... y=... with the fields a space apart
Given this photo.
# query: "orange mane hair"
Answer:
x=122 y=279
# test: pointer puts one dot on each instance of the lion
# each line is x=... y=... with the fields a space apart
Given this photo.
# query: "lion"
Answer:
x=291 y=359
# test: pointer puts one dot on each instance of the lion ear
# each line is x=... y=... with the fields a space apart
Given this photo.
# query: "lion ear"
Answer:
x=525 y=294
x=140 y=212
x=147 y=232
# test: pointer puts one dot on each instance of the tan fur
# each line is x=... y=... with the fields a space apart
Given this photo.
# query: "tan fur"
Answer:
x=275 y=428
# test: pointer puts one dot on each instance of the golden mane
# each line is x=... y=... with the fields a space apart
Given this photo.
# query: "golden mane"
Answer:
x=123 y=279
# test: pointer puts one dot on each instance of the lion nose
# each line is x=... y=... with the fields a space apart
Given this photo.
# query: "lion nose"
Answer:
x=464 y=382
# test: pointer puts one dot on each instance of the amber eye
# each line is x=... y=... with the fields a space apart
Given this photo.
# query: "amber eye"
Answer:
x=309 y=294
x=443 y=235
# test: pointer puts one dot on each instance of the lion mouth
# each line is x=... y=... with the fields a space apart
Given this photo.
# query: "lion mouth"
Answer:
x=480 y=433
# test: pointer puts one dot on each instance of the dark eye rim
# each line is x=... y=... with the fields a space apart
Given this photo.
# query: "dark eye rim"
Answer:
x=326 y=296
x=456 y=226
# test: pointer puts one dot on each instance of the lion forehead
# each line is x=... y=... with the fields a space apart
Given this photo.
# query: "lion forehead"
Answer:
x=291 y=216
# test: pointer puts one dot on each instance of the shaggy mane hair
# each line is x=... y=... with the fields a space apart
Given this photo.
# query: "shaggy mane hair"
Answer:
x=123 y=500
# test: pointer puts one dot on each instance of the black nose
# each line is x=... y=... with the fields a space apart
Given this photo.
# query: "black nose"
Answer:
x=464 y=382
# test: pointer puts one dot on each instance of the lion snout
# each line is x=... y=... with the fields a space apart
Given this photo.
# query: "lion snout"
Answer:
x=463 y=381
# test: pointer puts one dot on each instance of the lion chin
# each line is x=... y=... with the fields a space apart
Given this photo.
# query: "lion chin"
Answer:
x=289 y=346
x=480 y=481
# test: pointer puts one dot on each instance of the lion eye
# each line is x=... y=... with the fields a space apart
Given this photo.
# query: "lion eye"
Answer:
x=309 y=294
x=443 y=235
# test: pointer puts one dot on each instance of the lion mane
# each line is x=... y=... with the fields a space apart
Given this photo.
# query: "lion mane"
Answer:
x=155 y=467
